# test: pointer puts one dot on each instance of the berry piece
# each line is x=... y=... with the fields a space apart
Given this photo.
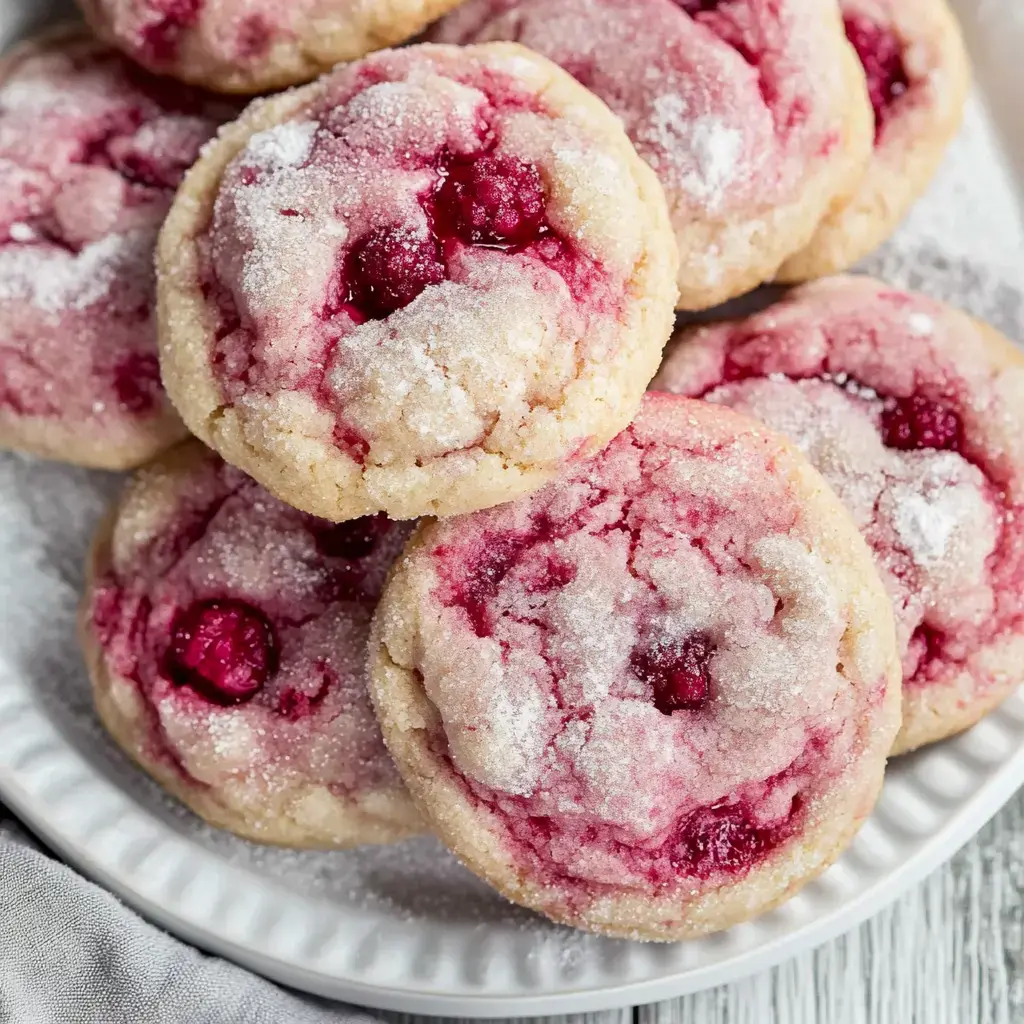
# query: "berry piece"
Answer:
x=224 y=650
x=677 y=673
x=882 y=56
x=918 y=422
x=493 y=200
x=387 y=269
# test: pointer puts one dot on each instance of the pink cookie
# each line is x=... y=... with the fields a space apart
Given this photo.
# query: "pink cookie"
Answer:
x=918 y=77
x=752 y=112
x=420 y=285
x=226 y=638
x=91 y=150
x=252 y=46
x=656 y=697
x=914 y=413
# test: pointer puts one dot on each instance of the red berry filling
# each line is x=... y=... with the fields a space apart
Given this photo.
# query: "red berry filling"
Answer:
x=479 y=581
x=160 y=38
x=295 y=705
x=918 y=422
x=387 y=269
x=881 y=53
x=137 y=382
x=726 y=838
x=908 y=424
x=677 y=673
x=224 y=650
x=494 y=200
x=695 y=7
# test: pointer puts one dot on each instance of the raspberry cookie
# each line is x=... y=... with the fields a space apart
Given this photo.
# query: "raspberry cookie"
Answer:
x=252 y=46
x=915 y=415
x=753 y=114
x=225 y=633
x=918 y=77
x=656 y=697
x=420 y=285
x=91 y=150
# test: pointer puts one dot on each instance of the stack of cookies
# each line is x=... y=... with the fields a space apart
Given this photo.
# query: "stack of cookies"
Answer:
x=439 y=556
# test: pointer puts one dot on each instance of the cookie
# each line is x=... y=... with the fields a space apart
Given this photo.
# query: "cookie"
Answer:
x=254 y=46
x=421 y=285
x=225 y=635
x=91 y=151
x=654 y=698
x=914 y=413
x=753 y=114
x=918 y=76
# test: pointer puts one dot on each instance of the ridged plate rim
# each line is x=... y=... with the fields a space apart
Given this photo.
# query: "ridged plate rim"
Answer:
x=932 y=803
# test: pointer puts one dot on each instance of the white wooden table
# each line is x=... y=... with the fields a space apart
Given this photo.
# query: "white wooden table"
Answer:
x=950 y=952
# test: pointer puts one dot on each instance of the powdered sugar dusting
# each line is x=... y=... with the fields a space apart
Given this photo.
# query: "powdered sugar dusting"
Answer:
x=284 y=145
x=925 y=527
x=564 y=617
x=704 y=154
x=56 y=281
x=921 y=323
x=941 y=528
x=304 y=742
x=89 y=160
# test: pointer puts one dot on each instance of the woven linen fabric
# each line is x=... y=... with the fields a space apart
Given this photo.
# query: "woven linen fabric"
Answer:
x=70 y=953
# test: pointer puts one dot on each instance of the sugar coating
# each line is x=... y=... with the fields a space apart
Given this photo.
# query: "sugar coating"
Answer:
x=90 y=153
x=733 y=106
x=918 y=78
x=707 y=99
x=254 y=46
x=156 y=31
x=533 y=617
x=928 y=516
x=441 y=266
x=202 y=532
x=823 y=366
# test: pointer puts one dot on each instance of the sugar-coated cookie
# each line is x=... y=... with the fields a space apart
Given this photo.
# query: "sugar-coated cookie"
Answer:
x=753 y=113
x=914 y=413
x=254 y=46
x=421 y=285
x=918 y=76
x=225 y=634
x=91 y=151
x=654 y=698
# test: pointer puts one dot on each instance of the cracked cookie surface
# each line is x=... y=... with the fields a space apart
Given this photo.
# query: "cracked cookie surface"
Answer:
x=753 y=113
x=914 y=413
x=225 y=634
x=422 y=285
x=653 y=698
x=91 y=151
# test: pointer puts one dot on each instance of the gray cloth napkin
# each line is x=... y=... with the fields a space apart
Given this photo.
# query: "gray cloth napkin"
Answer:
x=71 y=953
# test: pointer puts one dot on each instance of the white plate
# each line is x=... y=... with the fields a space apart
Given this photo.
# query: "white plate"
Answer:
x=406 y=928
